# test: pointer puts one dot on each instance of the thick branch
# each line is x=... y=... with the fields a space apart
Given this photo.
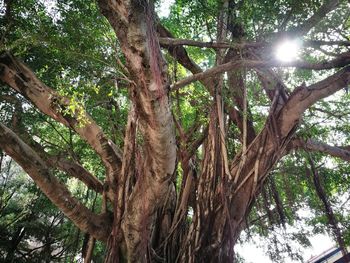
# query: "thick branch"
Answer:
x=70 y=167
x=303 y=97
x=316 y=146
x=270 y=82
x=178 y=52
x=76 y=170
x=19 y=77
x=341 y=61
x=168 y=41
x=270 y=145
x=97 y=225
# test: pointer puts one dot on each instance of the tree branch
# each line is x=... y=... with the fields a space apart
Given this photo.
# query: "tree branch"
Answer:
x=178 y=52
x=97 y=225
x=311 y=22
x=318 y=43
x=72 y=168
x=76 y=170
x=320 y=14
x=303 y=97
x=173 y=42
x=341 y=61
x=316 y=146
x=19 y=77
x=271 y=143
x=168 y=43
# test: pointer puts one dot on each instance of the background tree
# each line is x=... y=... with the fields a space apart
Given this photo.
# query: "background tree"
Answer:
x=180 y=132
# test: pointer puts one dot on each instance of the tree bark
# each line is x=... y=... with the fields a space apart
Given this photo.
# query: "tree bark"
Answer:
x=133 y=23
x=82 y=217
x=19 y=77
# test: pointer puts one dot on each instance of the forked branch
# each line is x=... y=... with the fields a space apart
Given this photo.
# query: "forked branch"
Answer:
x=19 y=77
x=97 y=225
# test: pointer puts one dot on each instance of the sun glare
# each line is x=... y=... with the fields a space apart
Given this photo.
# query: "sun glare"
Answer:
x=288 y=50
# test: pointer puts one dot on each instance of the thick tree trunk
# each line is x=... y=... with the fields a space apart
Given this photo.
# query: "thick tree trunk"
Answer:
x=133 y=22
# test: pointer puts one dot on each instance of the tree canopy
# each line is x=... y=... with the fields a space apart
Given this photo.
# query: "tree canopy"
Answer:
x=152 y=138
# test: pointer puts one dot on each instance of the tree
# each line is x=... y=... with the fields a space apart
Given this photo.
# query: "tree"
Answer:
x=187 y=148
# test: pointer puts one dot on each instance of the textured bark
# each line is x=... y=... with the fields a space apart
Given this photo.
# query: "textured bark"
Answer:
x=133 y=23
x=316 y=146
x=77 y=171
x=19 y=77
x=72 y=168
x=82 y=217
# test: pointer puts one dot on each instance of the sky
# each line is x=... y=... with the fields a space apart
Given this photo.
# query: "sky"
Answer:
x=252 y=252
x=164 y=8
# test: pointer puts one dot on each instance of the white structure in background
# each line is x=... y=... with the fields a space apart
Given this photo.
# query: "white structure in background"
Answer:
x=332 y=255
